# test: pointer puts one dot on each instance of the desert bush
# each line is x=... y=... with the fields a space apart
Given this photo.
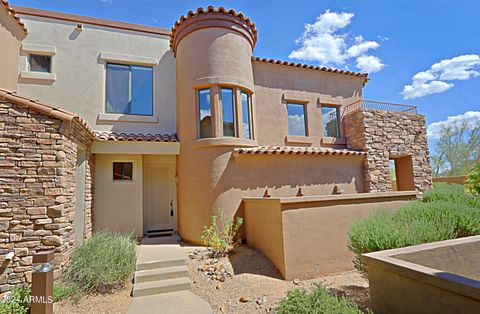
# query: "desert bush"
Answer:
x=18 y=302
x=473 y=180
x=415 y=223
x=221 y=235
x=104 y=263
x=318 y=301
x=451 y=193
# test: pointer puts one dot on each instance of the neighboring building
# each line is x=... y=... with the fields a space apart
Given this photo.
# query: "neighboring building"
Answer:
x=188 y=121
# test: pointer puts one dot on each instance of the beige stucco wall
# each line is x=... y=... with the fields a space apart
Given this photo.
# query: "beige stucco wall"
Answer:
x=308 y=236
x=11 y=35
x=80 y=72
x=118 y=204
x=275 y=85
x=222 y=56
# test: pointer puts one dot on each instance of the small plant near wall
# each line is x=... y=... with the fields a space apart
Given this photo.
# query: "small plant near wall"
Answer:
x=473 y=180
x=222 y=234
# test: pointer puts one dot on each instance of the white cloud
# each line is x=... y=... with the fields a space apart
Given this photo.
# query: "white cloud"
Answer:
x=107 y=1
x=369 y=64
x=296 y=124
x=433 y=80
x=434 y=129
x=321 y=42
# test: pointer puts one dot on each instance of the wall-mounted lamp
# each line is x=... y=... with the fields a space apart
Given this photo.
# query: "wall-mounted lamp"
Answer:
x=9 y=256
x=80 y=26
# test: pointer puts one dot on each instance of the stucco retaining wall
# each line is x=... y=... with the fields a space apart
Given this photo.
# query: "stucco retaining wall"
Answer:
x=38 y=156
x=440 y=277
x=308 y=236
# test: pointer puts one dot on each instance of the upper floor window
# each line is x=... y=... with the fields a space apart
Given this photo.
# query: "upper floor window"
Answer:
x=129 y=89
x=232 y=106
x=40 y=63
x=331 y=121
x=297 y=122
x=205 y=113
x=246 y=115
x=228 y=112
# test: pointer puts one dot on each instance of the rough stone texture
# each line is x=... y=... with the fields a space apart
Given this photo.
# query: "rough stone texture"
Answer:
x=388 y=134
x=38 y=157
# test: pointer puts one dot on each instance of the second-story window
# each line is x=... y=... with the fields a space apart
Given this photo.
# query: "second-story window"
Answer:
x=228 y=112
x=246 y=115
x=129 y=89
x=40 y=63
x=205 y=113
x=297 y=122
x=331 y=121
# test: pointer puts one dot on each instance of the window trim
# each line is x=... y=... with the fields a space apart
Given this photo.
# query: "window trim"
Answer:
x=129 y=89
x=305 y=118
x=339 y=128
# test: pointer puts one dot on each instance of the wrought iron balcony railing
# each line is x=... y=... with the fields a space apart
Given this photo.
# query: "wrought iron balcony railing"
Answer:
x=378 y=105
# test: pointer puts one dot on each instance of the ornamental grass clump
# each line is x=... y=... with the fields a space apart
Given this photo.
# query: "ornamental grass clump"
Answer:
x=415 y=223
x=102 y=264
x=318 y=301
x=222 y=234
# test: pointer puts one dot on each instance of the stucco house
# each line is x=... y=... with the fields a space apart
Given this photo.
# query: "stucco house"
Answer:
x=138 y=129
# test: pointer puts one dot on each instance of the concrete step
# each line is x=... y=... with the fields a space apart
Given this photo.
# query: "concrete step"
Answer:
x=161 y=286
x=184 y=302
x=154 y=256
x=155 y=264
x=161 y=273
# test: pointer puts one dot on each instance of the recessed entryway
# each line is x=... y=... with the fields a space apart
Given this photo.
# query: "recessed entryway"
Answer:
x=159 y=199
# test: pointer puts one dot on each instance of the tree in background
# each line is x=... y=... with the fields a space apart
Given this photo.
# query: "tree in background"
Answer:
x=457 y=148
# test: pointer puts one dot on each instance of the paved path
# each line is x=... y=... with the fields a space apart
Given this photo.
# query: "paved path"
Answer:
x=161 y=283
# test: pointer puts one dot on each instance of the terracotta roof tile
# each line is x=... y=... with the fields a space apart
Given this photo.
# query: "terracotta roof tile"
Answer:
x=311 y=67
x=45 y=109
x=211 y=9
x=13 y=13
x=132 y=137
x=291 y=150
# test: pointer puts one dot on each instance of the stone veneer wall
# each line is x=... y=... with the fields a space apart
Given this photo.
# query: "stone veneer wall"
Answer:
x=37 y=189
x=385 y=134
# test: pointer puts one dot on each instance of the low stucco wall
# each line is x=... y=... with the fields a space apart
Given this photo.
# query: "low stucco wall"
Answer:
x=440 y=277
x=457 y=180
x=308 y=236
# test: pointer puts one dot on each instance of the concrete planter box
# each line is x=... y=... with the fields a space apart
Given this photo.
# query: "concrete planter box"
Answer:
x=440 y=277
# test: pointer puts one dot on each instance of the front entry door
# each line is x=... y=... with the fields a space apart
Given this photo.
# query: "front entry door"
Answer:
x=158 y=201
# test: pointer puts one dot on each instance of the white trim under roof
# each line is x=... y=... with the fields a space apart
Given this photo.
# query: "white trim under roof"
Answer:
x=145 y=148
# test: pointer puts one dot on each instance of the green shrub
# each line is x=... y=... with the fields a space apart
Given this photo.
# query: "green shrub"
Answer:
x=61 y=292
x=415 y=223
x=17 y=303
x=473 y=180
x=318 y=301
x=221 y=235
x=451 y=193
x=104 y=263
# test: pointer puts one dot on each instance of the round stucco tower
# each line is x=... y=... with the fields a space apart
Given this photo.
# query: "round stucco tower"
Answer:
x=213 y=51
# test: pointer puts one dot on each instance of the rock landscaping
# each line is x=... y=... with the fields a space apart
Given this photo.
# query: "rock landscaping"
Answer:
x=247 y=282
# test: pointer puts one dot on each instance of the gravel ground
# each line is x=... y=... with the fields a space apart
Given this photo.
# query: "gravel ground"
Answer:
x=101 y=303
x=256 y=286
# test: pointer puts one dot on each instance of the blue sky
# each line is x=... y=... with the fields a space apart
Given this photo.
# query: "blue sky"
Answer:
x=397 y=39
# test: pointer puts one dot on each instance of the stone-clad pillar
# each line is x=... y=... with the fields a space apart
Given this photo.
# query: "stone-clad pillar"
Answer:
x=386 y=135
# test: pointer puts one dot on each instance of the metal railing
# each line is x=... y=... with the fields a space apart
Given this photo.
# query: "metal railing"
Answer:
x=378 y=105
